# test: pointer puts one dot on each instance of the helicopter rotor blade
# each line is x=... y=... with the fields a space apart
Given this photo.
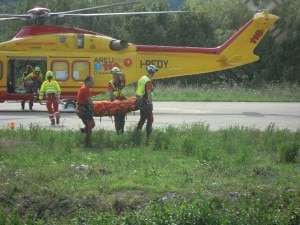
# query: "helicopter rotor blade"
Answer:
x=274 y=4
x=278 y=34
x=96 y=7
x=44 y=13
x=250 y=5
x=16 y=16
x=10 y=18
x=124 y=13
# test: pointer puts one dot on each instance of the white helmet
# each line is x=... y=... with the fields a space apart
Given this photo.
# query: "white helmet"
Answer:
x=151 y=69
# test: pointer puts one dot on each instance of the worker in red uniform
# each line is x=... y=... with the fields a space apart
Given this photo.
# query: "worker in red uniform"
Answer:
x=50 y=90
x=144 y=100
x=85 y=109
x=116 y=92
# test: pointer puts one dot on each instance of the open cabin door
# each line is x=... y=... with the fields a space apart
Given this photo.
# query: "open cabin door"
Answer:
x=16 y=67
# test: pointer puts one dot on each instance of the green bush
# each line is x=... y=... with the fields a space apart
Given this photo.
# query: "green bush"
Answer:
x=288 y=153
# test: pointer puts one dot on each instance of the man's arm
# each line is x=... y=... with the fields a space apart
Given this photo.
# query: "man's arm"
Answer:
x=149 y=90
x=42 y=91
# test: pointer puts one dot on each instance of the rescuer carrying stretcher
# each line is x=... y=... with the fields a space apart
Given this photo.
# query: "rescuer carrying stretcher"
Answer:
x=85 y=109
x=144 y=100
x=116 y=92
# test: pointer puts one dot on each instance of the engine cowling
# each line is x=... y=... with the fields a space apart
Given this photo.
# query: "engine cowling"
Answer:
x=118 y=45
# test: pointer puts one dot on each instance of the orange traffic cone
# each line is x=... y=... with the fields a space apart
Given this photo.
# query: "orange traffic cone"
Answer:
x=12 y=125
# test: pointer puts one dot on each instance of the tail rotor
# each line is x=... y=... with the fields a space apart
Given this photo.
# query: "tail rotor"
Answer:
x=276 y=33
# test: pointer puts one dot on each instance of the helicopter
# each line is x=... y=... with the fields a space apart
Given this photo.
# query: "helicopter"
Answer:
x=73 y=53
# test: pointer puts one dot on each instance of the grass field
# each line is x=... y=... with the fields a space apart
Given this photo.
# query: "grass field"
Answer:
x=186 y=175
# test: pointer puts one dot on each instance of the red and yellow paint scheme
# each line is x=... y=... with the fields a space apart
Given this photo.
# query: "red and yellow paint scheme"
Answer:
x=72 y=54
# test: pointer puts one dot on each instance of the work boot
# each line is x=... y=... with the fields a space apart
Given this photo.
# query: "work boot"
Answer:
x=83 y=130
x=57 y=120
x=52 y=122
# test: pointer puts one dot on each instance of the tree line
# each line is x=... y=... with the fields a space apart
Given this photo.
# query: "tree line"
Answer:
x=208 y=23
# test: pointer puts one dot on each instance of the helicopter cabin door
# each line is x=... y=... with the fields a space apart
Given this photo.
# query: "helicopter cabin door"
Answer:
x=16 y=67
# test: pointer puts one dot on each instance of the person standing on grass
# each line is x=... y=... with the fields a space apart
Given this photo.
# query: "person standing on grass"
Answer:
x=85 y=109
x=144 y=100
x=116 y=92
x=50 y=89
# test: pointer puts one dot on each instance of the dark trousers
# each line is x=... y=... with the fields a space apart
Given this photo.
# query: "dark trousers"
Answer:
x=120 y=123
x=146 y=114
x=86 y=115
x=30 y=104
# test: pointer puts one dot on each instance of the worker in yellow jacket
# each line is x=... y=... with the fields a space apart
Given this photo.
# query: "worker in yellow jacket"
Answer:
x=50 y=90
x=144 y=100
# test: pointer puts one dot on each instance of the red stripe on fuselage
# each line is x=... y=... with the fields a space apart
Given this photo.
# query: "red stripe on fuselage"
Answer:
x=44 y=29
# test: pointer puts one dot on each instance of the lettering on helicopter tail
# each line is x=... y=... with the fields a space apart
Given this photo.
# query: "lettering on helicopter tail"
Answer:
x=158 y=63
x=256 y=36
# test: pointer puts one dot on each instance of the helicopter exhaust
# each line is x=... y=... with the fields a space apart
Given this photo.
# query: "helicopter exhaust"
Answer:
x=118 y=45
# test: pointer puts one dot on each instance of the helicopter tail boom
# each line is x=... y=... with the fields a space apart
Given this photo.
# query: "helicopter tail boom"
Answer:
x=236 y=51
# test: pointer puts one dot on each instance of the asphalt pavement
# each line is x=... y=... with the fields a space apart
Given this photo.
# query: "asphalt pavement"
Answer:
x=217 y=115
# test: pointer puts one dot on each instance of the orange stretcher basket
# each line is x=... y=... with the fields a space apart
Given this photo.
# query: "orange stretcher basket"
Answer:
x=108 y=108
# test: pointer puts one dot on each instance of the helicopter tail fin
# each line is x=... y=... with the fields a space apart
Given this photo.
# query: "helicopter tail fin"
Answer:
x=238 y=50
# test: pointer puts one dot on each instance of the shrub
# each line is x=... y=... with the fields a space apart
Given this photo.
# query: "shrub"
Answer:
x=288 y=153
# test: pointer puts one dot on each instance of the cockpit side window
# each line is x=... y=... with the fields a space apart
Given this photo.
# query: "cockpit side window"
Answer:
x=61 y=70
x=80 y=70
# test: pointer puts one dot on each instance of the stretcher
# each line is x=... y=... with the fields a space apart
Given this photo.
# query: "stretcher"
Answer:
x=112 y=108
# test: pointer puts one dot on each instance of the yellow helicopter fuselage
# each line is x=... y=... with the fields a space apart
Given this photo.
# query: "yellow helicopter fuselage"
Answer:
x=72 y=54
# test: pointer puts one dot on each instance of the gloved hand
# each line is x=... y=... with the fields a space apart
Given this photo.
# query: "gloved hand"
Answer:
x=41 y=97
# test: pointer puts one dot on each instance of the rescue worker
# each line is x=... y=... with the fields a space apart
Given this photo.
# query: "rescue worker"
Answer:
x=50 y=90
x=34 y=81
x=29 y=70
x=144 y=100
x=116 y=92
x=85 y=109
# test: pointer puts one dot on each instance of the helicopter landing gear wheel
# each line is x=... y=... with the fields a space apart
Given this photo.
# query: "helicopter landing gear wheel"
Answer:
x=70 y=105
